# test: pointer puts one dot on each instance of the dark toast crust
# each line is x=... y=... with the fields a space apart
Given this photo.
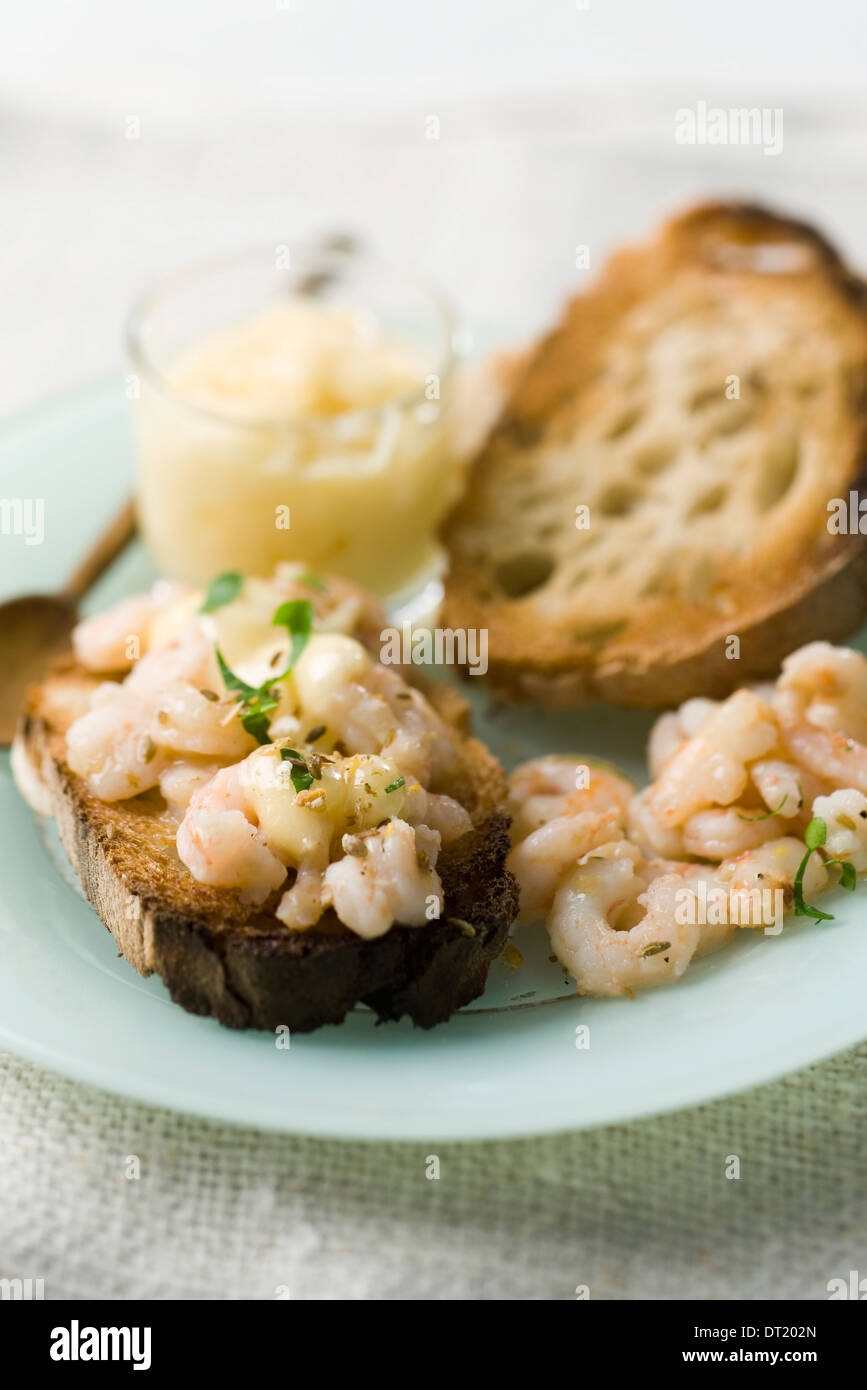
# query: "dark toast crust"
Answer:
x=671 y=649
x=220 y=957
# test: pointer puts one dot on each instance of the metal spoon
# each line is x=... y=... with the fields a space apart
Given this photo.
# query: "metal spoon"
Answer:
x=35 y=629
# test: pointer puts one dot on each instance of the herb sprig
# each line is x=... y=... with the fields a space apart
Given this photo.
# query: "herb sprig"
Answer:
x=312 y=581
x=814 y=838
x=258 y=702
x=302 y=777
x=222 y=590
x=296 y=614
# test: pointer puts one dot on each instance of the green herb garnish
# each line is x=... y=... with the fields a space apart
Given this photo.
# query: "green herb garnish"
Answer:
x=814 y=837
x=767 y=815
x=222 y=590
x=655 y=948
x=258 y=702
x=393 y=786
x=312 y=581
x=302 y=778
x=296 y=615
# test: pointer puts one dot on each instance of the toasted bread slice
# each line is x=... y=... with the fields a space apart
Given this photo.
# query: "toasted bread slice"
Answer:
x=704 y=402
x=238 y=963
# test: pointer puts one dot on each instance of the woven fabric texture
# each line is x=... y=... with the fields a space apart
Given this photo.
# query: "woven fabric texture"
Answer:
x=643 y=1210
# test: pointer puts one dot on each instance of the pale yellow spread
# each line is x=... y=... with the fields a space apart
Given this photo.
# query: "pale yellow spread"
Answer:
x=302 y=434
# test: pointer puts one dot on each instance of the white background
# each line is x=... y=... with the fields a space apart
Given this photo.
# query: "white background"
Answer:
x=186 y=56
x=262 y=120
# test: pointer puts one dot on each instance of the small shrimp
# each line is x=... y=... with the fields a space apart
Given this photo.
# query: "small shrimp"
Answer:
x=717 y=927
x=123 y=745
x=826 y=686
x=561 y=807
x=666 y=738
x=721 y=832
x=181 y=780
x=419 y=739
x=303 y=904
x=441 y=813
x=540 y=862
x=221 y=846
x=821 y=703
x=784 y=787
x=394 y=881
x=165 y=706
x=711 y=769
x=845 y=815
x=189 y=657
x=387 y=873
x=599 y=933
x=772 y=868
x=647 y=831
x=672 y=730
x=113 y=640
x=563 y=785
x=836 y=761
x=368 y=707
x=112 y=746
x=187 y=721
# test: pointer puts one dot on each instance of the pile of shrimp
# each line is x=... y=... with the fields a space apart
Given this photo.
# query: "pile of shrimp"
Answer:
x=624 y=879
x=360 y=832
x=170 y=723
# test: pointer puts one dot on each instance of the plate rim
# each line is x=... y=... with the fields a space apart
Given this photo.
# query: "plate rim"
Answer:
x=142 y=1093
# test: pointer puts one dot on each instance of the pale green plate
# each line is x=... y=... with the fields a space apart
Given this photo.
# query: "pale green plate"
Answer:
x=508 y=1065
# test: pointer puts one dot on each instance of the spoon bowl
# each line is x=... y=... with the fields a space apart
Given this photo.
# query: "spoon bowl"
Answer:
x=34 y=631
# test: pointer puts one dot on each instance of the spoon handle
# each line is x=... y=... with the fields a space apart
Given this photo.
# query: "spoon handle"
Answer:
x=106 y=548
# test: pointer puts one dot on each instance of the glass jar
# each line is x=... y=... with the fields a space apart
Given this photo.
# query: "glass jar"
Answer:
x=290 y=403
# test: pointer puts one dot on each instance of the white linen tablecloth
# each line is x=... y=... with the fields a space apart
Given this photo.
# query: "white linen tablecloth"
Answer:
x=643 y=1210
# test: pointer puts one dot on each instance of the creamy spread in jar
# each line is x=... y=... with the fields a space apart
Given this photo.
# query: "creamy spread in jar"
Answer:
x=301 y=432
